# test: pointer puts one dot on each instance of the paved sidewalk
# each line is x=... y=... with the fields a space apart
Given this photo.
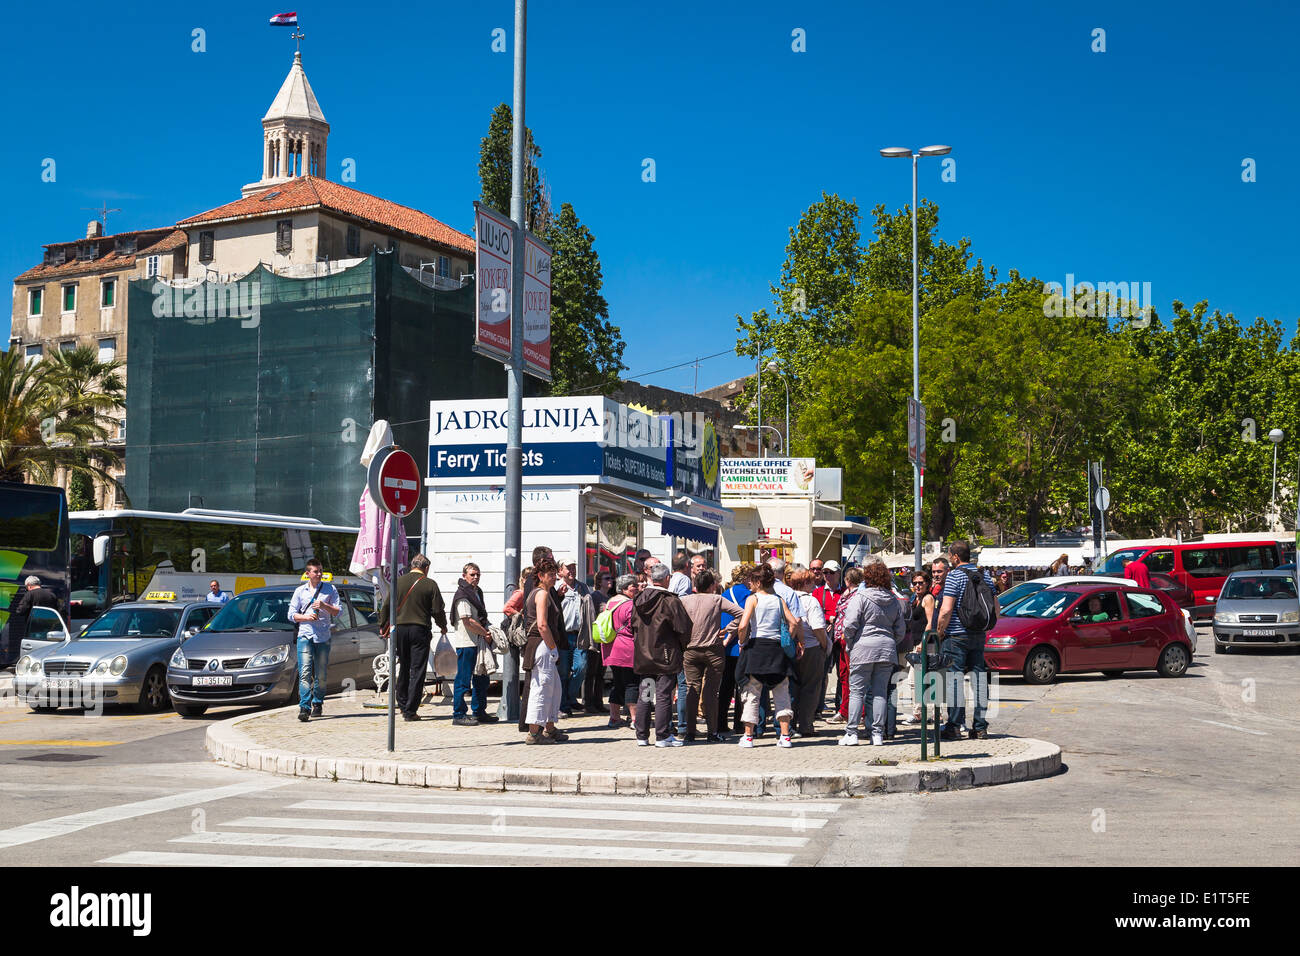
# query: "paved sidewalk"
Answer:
x=349 y=742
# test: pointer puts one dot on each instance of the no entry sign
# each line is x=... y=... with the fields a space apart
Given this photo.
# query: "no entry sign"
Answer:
x=394 y=481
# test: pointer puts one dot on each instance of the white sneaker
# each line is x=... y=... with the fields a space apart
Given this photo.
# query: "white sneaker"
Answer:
x=746 y=741
x=848 y=740
x=877 y=740
x=911 y=719
x=669 y=741
x=642 y=743
x=784 y=741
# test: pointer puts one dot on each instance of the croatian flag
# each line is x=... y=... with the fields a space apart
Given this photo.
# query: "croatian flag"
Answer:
x=285 y=20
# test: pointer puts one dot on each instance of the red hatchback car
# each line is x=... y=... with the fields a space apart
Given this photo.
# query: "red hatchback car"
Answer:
x=1089 y=627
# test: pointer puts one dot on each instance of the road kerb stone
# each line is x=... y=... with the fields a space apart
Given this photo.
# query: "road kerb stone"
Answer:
x=934 y=779
x=304 y=766
x=823 y=785
x=441 y=775
x=379 y=771
x=598 y=781
x=714 y=783
x=325 y=768
x=482 y=778
x=745 y=784
x=348 y=768
x=410 y=774
x=564 y=781
x=1019 y=769
x=781 y=784
x=670 y=783
x=862 y=784
x=902 y=781
x=526 y=779
x=630 y=781
x=961 y=778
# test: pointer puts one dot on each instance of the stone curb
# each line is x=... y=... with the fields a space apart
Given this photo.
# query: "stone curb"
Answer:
x=228 y=744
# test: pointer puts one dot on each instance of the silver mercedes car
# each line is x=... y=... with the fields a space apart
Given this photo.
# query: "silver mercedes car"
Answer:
x=1257 y=609
x=118 y=658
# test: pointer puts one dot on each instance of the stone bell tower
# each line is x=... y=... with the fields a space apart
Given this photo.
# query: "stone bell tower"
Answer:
x=294 y=132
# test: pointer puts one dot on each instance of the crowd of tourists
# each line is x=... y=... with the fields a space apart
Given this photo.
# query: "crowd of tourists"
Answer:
x=775 y=649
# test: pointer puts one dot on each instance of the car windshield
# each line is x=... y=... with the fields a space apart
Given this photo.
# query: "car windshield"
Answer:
x=1046 y=603
x=263 y=611
x=1259 y=588
x=1018 y=593
x=131 y=622
x=1114 y=565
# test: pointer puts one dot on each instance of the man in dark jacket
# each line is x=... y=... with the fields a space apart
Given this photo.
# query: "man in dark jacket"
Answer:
x=418 y=601
x=20 y=614
x=661 y=630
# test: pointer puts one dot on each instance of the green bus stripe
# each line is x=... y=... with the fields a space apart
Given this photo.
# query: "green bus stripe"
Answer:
x=11 y=564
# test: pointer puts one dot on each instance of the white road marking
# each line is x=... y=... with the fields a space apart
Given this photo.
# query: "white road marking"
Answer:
x=72 y=823
x=797 y=819
x=143 y=858
x=470 y=848
x=1257 y=733
x=516 y=831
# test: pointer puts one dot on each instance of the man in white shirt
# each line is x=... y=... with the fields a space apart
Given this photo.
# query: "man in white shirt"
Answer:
x=783 y=590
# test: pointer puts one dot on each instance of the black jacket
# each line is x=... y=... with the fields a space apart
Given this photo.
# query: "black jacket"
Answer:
x=37 y=597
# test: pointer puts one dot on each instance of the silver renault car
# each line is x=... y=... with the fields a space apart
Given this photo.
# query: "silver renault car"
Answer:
x=1257 y=609
x=118 y=658
x=247 y=654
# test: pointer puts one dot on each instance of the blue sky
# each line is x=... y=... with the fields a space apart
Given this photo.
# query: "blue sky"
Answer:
x=1117 y=166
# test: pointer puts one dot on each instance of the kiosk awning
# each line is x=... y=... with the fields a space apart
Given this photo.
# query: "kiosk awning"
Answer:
x=854 y=526
x=679 y=524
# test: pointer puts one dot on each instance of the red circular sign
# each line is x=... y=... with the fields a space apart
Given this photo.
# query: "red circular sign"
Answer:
x=399 y=483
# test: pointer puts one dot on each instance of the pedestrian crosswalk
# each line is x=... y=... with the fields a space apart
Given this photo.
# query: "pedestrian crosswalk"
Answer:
x=495 y=829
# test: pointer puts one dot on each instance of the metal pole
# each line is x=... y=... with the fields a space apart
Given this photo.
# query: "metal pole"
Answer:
x=392 y=627
x=916 y=373
x=762 y=449
x=787 y=419
x=515 y=370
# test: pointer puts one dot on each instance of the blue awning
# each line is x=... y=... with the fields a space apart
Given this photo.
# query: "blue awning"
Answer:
x=680 y=526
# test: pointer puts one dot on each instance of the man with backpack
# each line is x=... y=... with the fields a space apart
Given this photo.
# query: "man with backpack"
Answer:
x=968 y=611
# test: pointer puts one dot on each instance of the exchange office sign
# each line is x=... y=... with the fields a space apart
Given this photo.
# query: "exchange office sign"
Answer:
x=755 y=477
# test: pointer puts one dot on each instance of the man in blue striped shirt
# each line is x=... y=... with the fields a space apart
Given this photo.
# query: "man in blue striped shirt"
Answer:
x=963 y=648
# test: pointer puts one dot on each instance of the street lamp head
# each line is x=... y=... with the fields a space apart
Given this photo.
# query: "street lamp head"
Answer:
x=772 y=366
x=1275 y=435
x=935 y=150
x=893 y=152
x=742 y=428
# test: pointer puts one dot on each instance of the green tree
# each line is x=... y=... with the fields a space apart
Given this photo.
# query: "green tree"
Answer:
x=495 y=169
x=56 y=413
x=586 y=348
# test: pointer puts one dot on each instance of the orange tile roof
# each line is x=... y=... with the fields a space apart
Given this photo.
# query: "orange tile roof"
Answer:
x=308 y=192
x=170 y=242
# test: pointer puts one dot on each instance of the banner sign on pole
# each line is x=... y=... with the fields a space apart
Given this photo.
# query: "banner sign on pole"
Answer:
x=493 y=253
x=537 y=308
x=915 y=432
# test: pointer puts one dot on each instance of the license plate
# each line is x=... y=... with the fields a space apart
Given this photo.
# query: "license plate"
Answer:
x=219 y=680
x=63 y=683
x=1261 y=632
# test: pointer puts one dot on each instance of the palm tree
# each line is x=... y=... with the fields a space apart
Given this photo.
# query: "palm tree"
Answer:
x=54 y=414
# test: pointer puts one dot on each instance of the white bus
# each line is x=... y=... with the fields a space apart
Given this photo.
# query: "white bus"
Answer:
x=122 y=555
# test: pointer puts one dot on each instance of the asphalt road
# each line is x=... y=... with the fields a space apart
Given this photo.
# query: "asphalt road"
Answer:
x=1187 y=772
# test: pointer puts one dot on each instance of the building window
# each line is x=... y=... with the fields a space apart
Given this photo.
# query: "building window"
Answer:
x=33 y=353
x=107 y=350
x=206 y=240
x=34 y=301
x=151 y=266
x=107 y=293
x=354 y=241
x=284 y=236
x=68 y=346
x=121 y=436
x=70 y=298
x=444 y=266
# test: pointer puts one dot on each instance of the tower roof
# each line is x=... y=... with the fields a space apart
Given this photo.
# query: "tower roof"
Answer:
x=295 y=99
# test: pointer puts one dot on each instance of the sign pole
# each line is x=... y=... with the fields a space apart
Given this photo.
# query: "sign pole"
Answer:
x=394 y=521
x=515 y=371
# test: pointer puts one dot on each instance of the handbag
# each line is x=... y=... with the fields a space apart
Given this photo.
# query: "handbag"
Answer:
x=386 y=626
x=788 y=645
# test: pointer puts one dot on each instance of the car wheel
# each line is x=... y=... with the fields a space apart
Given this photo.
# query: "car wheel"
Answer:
x=190 y=710
x=1173 y=661
x=1041 y=666
x=153 y=695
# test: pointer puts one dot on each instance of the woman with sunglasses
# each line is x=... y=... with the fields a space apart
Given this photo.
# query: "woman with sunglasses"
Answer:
x=920 y=614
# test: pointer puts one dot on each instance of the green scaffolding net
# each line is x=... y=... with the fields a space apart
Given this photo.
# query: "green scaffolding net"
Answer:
x=259 y=394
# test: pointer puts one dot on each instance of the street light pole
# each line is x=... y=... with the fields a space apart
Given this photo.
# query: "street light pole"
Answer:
x=773 y=368
x=762 y=451
x=1275 y=436
x=514 y=502
x=750 y=428
x=917 y=474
